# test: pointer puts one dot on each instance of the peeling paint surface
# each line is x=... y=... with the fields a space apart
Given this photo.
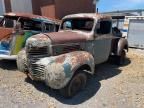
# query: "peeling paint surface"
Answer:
x=55 y=57
x=88 y=15
x=66 y=37
x=5 y=32
x=22 y=61
x=57 y=73
x=38 y=40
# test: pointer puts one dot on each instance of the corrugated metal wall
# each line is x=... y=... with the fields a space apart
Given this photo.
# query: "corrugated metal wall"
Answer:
x=2 y=7
x=44 y=7
x=136 y=33
x=66 y=7
x=21 y=6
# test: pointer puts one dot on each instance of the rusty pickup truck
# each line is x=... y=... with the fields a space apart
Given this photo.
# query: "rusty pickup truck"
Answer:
x=16 y=28
x=63 y=59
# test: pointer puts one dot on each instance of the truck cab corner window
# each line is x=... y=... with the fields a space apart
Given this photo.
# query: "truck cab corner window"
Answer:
x=103 y=27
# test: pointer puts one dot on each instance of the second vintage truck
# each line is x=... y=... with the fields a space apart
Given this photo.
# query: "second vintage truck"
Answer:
x=64 y=59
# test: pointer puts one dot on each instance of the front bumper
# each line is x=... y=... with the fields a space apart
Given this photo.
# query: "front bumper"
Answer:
x=5 y=54
x=8 y=57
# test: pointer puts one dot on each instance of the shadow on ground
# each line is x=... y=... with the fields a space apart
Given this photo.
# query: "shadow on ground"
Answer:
x=8 y=64
x=103 y=72
x=127 y=62
x=112 y=60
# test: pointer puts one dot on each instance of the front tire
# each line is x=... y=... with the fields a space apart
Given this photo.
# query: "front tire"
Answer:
x=22 y=61
x=77 y=83
x=121 y=59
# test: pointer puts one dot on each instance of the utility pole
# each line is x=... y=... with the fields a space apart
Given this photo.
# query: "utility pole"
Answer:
x=95 y=3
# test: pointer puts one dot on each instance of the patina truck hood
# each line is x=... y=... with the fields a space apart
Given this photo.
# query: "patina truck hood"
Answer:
x=5 y=32
x=66 y=37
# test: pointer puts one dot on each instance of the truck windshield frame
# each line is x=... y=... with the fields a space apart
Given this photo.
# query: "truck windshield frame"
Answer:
x=82 y=24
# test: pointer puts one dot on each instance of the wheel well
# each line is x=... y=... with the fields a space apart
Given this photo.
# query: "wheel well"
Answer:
x=84 y=67
x=126 y=47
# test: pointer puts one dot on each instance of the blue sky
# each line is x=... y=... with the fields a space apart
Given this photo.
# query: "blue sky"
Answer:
x=114 y=5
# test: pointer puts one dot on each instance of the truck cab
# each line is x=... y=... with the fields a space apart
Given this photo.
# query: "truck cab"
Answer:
x=63 y=59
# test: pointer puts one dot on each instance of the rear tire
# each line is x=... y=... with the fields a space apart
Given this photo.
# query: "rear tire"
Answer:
x=22 y=61
x=77 y=83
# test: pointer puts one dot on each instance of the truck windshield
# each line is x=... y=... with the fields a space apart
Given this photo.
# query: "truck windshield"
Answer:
x=84 y=24
x=7 y=22
x=26 y=24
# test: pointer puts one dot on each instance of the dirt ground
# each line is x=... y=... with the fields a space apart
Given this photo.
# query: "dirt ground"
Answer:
x=110 y=87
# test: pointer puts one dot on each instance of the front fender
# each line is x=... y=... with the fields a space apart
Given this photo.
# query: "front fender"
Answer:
x=60 y=69
x=122 y=44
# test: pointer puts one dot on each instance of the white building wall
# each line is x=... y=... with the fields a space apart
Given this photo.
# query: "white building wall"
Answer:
x=143 y=13
x=21 y=6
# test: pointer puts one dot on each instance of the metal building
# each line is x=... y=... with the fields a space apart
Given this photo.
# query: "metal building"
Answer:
x=60 y=8
x=50 y=8
x=15 y=6
x=134 y=31
x=2 y=7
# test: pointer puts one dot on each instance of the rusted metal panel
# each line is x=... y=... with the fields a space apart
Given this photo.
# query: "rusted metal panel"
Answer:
x=60 y=69
x=66 y=48
x=5 y=32
x=39 y=40
x=89 y=15
x=66 y=37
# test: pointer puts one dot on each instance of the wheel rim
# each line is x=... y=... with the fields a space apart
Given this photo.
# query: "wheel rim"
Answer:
x=77 y=83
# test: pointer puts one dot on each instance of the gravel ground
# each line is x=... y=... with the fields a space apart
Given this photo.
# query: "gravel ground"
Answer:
x=110 y=87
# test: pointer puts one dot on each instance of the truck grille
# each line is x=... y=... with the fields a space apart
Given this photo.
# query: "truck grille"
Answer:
x=37 y=70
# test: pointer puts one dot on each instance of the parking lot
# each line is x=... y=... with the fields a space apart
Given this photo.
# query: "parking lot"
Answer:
x=110 y=87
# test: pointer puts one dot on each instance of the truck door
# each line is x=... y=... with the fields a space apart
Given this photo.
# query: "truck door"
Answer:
x=102 y=41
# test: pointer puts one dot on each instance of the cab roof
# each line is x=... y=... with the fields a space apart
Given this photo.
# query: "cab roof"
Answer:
x=88 y=15
x=30 y=16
